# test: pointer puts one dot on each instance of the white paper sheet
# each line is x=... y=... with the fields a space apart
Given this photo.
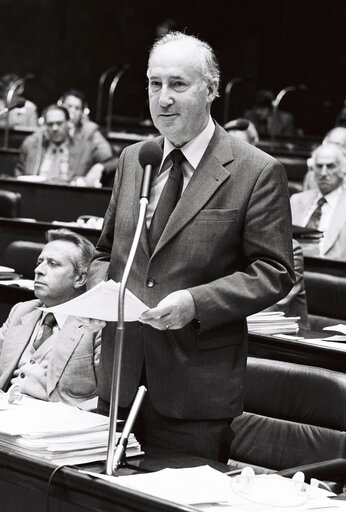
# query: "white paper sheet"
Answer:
x=101 y=303
x=338 y=328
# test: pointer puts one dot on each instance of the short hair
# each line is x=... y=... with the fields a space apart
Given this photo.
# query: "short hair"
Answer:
x=246 y=126
x=55 y=106
x=73 y=92
x=211 y=68
x=338 y=151
x=86 y=248
x=336 y=136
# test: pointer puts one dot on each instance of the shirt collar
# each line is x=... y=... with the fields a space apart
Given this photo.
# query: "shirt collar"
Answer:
x=333 y=196
x=195 y=148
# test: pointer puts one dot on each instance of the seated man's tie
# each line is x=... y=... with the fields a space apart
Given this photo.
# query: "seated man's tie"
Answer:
x=169 y=197
x=47 y=330
x=315 y=218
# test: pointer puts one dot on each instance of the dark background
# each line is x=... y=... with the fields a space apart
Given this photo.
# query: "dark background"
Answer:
x=68 y=43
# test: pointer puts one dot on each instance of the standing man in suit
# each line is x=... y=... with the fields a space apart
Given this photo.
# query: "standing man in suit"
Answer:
x=225 y=252
x=52 y=358
x=324 y=208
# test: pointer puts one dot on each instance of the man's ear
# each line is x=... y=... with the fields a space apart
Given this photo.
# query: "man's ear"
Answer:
x=80 y=280
x=212 y=91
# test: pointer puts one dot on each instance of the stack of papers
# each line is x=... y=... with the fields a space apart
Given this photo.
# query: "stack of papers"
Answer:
x=57 y=433
x=269 y=322
x=8 y=273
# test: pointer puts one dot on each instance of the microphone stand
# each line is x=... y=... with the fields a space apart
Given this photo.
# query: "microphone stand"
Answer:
x=119 y=340
x=276 y=102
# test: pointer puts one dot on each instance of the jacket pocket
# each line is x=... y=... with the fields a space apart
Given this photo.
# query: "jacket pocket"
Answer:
x=217 y=215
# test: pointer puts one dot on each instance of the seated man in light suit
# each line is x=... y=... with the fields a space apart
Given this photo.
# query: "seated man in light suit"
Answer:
x=325 y=208
x=62 y=367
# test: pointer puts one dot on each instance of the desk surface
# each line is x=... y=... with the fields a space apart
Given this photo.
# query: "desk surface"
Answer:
x=48 y=202
x=303 y=352
x=24 y=484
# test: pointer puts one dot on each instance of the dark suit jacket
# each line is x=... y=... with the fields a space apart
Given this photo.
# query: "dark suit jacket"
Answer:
x=229 y=243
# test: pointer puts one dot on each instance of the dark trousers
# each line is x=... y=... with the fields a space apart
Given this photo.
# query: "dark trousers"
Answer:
x=210 y=439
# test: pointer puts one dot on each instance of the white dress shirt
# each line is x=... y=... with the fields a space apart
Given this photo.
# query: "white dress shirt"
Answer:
x=193 y=152
x=327 y=210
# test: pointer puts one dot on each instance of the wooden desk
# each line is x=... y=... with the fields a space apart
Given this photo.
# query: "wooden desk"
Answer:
x=47 y=202
x=12 y=230
x=302 y=352
x=24 y=483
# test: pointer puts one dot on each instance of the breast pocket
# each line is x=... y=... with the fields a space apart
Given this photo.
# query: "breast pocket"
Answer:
x=217 y=215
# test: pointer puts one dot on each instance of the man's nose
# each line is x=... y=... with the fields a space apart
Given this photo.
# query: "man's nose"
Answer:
x=324 y=170
x=165 y=99
x=40 y=268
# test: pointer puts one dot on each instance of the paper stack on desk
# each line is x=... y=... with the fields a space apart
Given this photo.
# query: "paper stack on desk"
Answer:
x=57 y=433
x=269 y=322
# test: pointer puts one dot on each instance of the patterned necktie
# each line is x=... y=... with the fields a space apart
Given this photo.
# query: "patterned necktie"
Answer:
x=315 y=218
x=169 y=197
x=47 y=329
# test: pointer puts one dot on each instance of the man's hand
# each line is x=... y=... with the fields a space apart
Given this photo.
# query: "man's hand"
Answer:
x=173 y=312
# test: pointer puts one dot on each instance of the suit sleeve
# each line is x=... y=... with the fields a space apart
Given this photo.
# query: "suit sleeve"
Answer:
x=6 y=324
x=267 y=273
x=99 y=266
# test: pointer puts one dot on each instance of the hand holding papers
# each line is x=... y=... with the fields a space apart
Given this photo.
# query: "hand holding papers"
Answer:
x=101 y=303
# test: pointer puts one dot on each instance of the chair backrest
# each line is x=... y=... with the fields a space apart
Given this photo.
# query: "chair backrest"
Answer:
x=22 y=256
x=326 y=299
x=9 y=203
x=294 y=414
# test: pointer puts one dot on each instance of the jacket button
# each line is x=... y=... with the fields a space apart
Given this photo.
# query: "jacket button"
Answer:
x=22 y=375
x=150 y=282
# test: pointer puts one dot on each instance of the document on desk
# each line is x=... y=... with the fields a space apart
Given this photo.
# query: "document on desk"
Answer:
x=209 y=490
x=101 y=303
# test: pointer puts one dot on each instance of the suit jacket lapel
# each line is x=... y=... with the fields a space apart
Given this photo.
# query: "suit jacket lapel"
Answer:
x=207 y=178
x=65 y=342
x=336 y=224
x=15 y=342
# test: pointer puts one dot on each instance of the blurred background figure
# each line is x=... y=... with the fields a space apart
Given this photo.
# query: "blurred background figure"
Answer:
x=53 y=155
x=261 y=114
x=334 y=136
x=83 y=131
x=243 y=129
x=25 y=116
x=324 y=208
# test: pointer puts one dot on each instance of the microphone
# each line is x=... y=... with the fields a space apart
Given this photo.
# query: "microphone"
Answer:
x=150 y=155
x=17 y=102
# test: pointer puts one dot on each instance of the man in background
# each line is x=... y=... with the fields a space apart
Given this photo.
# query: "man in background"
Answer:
x=53 y=154
x=324 y=208
x=217 y=247
x=52 y=358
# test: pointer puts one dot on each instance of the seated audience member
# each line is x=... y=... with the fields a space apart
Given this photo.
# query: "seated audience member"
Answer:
x=53 y=154
x=261 y=114
x=25 y=116
x=294 y=304
x=324 y=208
x=335 y=136
x=243 y=129
x=82 y=129
x=53 y=359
